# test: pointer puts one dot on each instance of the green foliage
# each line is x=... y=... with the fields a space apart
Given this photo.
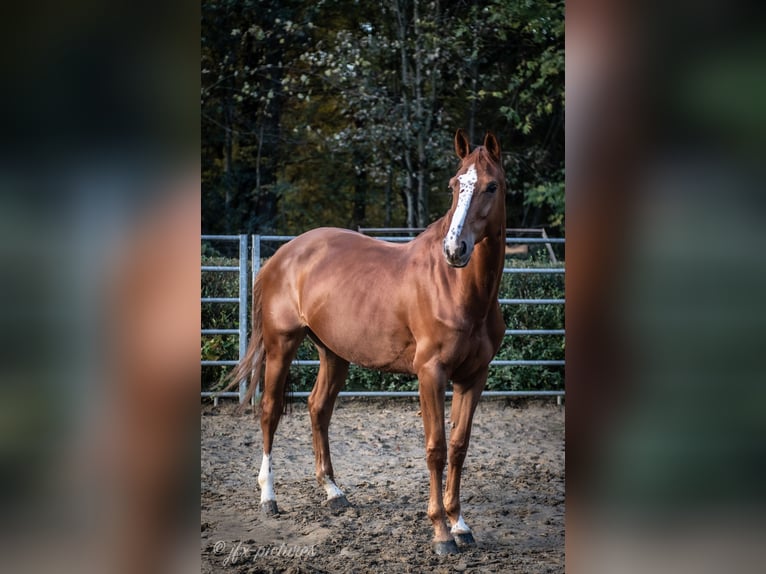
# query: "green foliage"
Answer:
x=517 y=286
x=218 y=316
x=549 y=195
x=531 y=316
x=338 y=113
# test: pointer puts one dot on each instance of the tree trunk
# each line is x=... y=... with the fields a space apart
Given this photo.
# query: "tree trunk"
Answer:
x=408 y=192
x=411 y=208
x=389 y=185
x=474 y=77
x=227 y=179
x=263 y=208
x=360 y=191
x=422 y=198
x=420 y=124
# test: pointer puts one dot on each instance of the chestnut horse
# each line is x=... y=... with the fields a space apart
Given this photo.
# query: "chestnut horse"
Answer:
x=428 y=307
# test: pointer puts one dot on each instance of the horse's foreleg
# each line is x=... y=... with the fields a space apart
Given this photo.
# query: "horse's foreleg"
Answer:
x=330 y=380
x=432 y=387
x=464 y=401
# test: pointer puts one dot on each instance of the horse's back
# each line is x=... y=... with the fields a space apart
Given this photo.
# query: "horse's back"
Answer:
x=347 y=289
x=328 y=251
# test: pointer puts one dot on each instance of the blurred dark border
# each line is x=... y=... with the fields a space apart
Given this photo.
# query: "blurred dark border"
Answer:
x=99 y=224
x=665 y=276
x=99 y=203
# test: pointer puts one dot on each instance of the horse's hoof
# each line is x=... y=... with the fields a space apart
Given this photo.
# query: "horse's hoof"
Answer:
x=444 y=548
x=269 y=507
x=464 y=539
x=337 y=503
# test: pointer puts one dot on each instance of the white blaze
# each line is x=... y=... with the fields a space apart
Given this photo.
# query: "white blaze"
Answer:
x=266 y=479
x=467 y=184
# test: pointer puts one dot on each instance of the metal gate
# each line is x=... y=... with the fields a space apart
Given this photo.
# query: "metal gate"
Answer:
x=244 y=285
x=240 y=300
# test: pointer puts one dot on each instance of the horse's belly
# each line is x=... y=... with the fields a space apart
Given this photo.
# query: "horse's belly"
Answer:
x=371 y=346
x=356 y=311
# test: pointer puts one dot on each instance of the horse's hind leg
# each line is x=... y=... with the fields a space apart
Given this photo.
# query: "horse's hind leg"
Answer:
x=279 y=355
x=330 y=380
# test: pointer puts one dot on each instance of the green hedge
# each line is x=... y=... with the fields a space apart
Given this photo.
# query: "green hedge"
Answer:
x=219 y=316
x=514 y=285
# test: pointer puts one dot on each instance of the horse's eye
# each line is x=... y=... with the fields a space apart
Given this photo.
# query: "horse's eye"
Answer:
x=491 y=188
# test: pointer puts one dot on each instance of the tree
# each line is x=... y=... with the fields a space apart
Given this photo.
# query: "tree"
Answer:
x=244 y=49
x=343 y=113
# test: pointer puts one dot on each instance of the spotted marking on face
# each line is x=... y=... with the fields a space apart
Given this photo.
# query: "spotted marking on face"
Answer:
x=467 y=185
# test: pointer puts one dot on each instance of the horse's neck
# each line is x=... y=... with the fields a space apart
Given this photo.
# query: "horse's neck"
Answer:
x=476 y=285
x=480 y=279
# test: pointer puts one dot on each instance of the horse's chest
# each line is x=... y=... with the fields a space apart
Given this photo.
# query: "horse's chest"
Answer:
x=472 y=349
x=466 y=348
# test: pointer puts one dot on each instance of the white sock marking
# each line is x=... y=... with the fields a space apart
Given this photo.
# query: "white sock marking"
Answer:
x=460 y=527
x=266 y=479
x=331 y=488
x=467 y=184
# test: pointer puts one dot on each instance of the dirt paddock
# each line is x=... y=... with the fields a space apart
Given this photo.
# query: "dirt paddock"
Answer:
x=512 y=492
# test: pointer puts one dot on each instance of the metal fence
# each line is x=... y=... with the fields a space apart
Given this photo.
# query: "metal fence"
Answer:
x=256 y=242
x=240 y=300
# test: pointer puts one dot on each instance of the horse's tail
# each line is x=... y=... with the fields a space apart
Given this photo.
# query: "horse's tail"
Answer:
x=250 y=367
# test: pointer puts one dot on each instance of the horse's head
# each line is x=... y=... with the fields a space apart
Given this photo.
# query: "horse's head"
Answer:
x=478 y=204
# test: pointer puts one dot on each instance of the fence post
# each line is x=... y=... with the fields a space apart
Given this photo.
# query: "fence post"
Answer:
x=256 y=267
x=256 y=255
x=551 y=254
x=242 y=308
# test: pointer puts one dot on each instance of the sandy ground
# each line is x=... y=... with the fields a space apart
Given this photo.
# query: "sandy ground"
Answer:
x=512 y=492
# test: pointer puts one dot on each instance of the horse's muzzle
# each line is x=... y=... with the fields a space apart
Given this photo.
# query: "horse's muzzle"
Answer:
x=457 y=253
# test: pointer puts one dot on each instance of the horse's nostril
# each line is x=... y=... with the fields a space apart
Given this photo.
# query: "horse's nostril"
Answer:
x=463 y=248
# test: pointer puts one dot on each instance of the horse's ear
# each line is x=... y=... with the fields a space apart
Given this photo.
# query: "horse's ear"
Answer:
x=492 y=146
x=462 y=146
